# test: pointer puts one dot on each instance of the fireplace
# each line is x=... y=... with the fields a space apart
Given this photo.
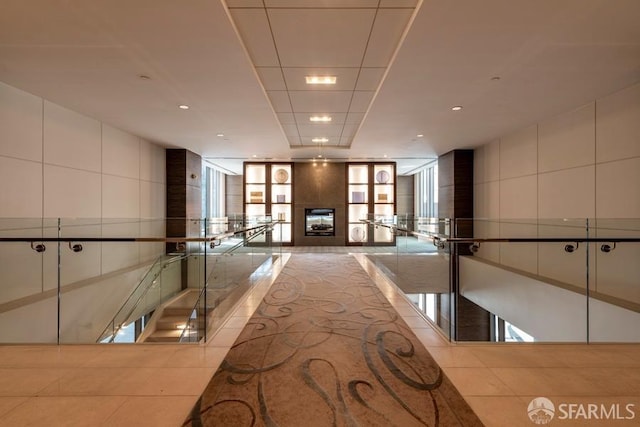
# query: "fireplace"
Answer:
x=319 y=222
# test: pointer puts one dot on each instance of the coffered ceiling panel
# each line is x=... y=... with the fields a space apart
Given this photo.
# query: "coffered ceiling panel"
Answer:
x=336 y=118
x=354 y=117
x=280 y=101
x=321 y=37
x=370 y=78
x=385 y=36
x=294 y=141
x=321 y=3
x=271 y=78
x=349 y=130
x=295 y=78
x=345 y=141
x=286 y=118
x=309 y=141
x=399 y=3
x=244 y=3
x=290 y=129
x=360 y=102
x=255 y=30
x=320 y=130
x=320 y=101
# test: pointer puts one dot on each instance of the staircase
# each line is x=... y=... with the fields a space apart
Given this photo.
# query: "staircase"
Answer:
x=176 y=316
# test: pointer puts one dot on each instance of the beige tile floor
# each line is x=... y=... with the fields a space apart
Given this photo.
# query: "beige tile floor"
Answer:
x=157 y=384
x=499 y=380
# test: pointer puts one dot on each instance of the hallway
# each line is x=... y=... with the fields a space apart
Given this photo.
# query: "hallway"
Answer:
x=325 y=347
x=158 y=385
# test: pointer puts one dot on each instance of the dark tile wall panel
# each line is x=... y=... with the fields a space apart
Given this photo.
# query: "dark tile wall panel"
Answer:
x=455 y=200
x=319 y=187
x=184 y=193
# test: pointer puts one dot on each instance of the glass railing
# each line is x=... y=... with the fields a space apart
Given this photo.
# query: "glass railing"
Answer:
x=107 y=280
x=520 y=280
x=161 y=282
x=232 y=267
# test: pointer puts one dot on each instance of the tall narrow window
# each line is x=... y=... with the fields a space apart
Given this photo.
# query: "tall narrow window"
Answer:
x=426 y=191
x=213 y=193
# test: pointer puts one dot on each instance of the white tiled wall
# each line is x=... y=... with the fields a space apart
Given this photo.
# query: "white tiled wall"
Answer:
x=581 y=164
x=567 y=141
x=56 y=163
x=71 y=139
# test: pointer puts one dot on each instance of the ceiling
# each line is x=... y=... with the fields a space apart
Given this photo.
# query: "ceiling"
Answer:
x=239 y=65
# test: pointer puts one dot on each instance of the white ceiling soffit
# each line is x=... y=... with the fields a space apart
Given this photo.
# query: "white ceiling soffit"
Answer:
x=353 y=40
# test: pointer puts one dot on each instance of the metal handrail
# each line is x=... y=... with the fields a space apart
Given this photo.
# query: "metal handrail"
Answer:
x=112 y=323
x=211 y=240
x=263 y=228
x=441 y=238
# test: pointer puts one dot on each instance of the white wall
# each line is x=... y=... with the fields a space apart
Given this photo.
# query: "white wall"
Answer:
x=546 y=179
x=547 y=312
x=56 y=163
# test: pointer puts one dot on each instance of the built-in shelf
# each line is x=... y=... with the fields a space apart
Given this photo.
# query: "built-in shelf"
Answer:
x=268 y=193
x=371 y=194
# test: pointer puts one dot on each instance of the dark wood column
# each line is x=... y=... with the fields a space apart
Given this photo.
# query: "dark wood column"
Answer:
x=184 y=194
x=455 y=200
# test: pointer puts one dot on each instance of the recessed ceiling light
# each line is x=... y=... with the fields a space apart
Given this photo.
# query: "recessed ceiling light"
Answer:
x=321 y=80
x=385 y=156
x=220 y=135
x=183 y=107
x=457 y=108
x=495 y=78
x=320 y=140
x=419 y=135
x=144 y=77
x=322 y=119
x=254 y=156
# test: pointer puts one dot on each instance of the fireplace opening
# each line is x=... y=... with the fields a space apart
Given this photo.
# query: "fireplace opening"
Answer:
x=319 y=222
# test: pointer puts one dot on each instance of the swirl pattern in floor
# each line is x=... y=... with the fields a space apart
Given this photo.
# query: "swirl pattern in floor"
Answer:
x=325 y=348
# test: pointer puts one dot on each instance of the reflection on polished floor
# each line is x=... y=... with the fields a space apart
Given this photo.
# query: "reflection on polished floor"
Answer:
x=158 y=384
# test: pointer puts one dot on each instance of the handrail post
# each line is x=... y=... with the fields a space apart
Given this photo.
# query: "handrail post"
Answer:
x=588 y=325
x=205 y=277
x=59 y=285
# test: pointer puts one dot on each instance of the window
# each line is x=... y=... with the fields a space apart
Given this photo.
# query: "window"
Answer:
x=426 y=191
x=213 y=192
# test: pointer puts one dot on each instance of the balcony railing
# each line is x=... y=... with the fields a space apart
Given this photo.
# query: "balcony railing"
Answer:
x=63 y=280
x=550 y=280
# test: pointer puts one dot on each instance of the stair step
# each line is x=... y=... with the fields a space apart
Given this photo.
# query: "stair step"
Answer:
x=181 y=311
x=172 y=322
x=169 y=335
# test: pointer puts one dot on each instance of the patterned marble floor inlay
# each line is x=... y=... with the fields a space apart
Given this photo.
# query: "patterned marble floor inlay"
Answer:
x=325 y=348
